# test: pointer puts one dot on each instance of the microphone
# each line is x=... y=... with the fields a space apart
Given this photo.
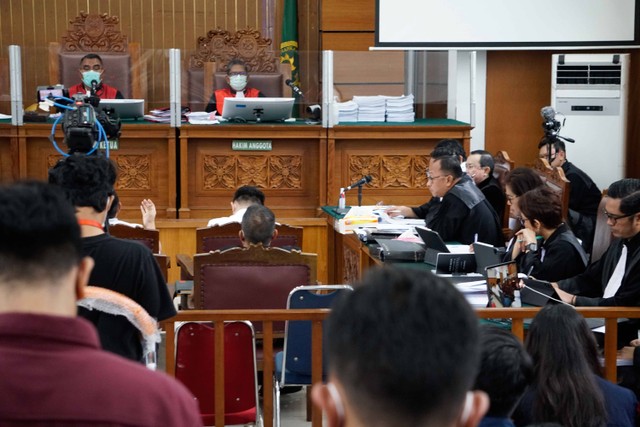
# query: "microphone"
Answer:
x=548 y=113
x=365 y=179
x=293 y=87
x=94 y=87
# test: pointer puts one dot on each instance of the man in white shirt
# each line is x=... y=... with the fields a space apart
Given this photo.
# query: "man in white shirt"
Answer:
x=244 y=197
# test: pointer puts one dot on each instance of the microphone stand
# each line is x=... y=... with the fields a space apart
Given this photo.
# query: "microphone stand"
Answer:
x=360 y=195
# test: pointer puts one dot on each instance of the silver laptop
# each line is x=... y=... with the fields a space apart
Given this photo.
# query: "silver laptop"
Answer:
x=125 y=108
x=257 y=109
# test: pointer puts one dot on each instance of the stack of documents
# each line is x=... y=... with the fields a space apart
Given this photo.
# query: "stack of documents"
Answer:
x=347 y=111
x=163 y=115
x=370 y=108
x=400 y=108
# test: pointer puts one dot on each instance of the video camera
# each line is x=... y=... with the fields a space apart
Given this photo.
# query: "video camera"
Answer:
x=84 y=124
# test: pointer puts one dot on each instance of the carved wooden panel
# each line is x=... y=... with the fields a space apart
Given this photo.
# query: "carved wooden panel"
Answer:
x=94 y=33
x=133 y=172
x=390 y=171
x=264 y=171
x=351 y=272
x=220 y=46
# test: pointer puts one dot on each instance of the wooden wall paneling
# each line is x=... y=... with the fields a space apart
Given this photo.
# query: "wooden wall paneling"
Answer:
x=518 y=86
x=341 y=41
x=352 y=15
x=309 y=50
x=633 y=129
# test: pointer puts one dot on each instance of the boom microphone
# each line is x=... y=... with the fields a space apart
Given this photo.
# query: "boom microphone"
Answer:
x=364 y=180
x=293 y=87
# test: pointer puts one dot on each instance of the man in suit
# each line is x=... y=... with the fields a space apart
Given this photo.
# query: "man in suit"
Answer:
x=480 y=166
x=403 y=350
x=613 y=280
x=53 y=370
x=584 y=196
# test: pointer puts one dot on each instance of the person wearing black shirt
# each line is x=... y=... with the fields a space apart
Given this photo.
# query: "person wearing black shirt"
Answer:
x=464 y=215
x=480 y=168
x=600 y=284
x=584 y=196
x=559 y=256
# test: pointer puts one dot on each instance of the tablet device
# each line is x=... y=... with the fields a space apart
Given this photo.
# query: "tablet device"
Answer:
x=486 y=255
x=125 y=108
x=538 y=293
x=257 y=109
x=502 y=282
x=432 y=239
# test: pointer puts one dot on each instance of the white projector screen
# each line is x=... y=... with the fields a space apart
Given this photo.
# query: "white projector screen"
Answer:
x=496 y=24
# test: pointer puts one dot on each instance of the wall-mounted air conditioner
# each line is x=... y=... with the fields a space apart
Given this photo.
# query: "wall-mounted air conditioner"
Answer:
x=590 y=90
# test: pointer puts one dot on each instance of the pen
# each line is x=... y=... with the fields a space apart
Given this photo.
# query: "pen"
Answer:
x=529 y=272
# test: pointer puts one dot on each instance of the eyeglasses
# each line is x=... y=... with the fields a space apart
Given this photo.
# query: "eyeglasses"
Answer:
x=472 y=166
x=238 y=73
x=432 y=178
x=615 y=218
x=511 y=197
x=523 y=220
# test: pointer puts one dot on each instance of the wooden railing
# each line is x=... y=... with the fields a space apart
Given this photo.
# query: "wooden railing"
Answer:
x=267 y=317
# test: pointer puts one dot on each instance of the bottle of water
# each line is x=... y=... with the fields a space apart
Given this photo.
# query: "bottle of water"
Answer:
x=342 y=201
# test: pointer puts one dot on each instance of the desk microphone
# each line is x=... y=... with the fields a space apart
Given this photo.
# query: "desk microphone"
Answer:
x=293 y=87
x=364 y=180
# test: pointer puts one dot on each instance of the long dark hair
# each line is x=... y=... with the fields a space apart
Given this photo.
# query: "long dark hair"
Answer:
x=565 y=359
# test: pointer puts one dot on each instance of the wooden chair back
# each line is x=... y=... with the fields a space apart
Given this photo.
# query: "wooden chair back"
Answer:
x=149 y=238
x=98 y=33
x=226 y=236
x=602 y=235
x=255 y=277
x=502 y=166
x=555 y=179
x=206 y=68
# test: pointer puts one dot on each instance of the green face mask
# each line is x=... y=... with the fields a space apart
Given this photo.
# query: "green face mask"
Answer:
x=88 y=77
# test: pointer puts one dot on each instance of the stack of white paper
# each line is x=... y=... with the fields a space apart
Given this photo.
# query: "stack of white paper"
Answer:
x=347 y=111
x=370 y=108
x=400 y=108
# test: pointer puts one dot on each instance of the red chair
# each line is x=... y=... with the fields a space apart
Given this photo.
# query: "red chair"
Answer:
x=195 y=350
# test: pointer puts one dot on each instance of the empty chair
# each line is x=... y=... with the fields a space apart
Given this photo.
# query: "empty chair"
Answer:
x=293 y=365
x=149 y=238
x=195 y=368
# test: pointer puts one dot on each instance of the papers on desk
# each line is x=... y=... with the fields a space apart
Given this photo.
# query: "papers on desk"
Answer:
x=370 y=108
x=4 y=116
x=347 y=111
x=202 y=118
x=400 y=108
x=475 y=292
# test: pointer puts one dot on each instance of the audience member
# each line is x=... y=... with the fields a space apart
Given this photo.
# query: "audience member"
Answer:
x=559 y=255
x=120 y=265
x=258 y=226
x=237 y=79
x=584 y=196
x=91 y=71
x=505 y=372
x=244 y=197
x=451 y=147
x=403 y=351
x=147 y=209
x=567 y=387
x=464 y=215
x=53 y=371
x=480 y=166
x=615 y=278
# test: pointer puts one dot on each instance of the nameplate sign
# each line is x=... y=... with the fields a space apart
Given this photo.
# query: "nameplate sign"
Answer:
x=113 y=144
x=250 y=145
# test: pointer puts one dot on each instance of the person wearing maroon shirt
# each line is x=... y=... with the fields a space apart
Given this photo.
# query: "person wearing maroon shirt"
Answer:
x=53 y=370
x=91 y=71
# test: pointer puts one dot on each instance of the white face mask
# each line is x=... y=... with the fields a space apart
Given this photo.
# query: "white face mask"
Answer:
x=238 y=82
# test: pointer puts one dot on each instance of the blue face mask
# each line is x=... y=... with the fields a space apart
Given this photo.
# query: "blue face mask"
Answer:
x=90 y=76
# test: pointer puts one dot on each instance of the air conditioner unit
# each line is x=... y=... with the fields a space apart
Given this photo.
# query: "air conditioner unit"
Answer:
x=590 y=90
